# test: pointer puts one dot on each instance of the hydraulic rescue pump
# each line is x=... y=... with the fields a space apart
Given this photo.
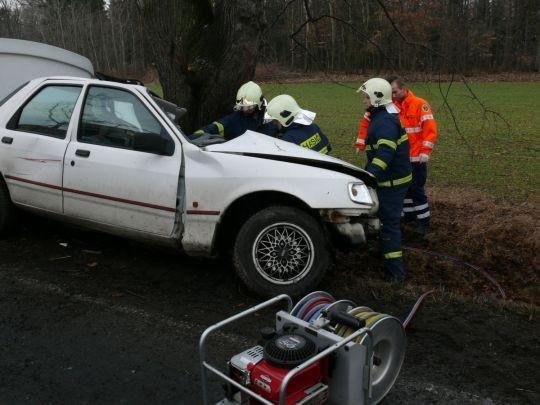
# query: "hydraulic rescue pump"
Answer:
x=321 y=351
x=264 y=369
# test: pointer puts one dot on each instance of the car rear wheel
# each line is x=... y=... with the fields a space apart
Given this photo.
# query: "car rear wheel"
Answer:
x=7 y=210
x=281 y=250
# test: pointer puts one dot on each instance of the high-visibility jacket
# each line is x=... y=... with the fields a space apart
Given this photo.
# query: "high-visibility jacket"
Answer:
x=387 y=149
x=416 y=118
x=362 y=132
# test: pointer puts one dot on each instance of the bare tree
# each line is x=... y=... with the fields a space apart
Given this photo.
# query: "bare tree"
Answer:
x=538 y=41
x=124 y=37
x=203 y=51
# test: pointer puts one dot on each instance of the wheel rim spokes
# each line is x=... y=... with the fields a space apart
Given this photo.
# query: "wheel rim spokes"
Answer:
x=283 y=253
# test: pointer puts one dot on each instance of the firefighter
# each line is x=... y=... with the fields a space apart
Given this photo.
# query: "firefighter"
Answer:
x=417 y=120
x=387 y=149
x=248 y=115
x=296 y=125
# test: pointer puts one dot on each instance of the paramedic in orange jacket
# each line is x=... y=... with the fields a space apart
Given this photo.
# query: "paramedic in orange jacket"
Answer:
x=417 y=119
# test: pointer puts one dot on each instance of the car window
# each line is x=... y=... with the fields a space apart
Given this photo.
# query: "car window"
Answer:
x=117 y=118
x=48 y=112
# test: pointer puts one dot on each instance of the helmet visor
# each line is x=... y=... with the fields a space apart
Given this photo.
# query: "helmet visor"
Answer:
x=245 y=108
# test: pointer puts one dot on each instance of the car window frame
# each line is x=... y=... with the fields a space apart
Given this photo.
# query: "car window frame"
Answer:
x=134 y=94
x=175 y=130
x=10 y=95
x=14 y=120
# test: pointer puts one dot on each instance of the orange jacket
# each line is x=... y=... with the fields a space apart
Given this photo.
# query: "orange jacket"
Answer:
x=360 y=143
x=416 y=118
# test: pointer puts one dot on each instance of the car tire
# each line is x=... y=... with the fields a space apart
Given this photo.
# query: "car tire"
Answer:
x=7 y=210
x=281 y=250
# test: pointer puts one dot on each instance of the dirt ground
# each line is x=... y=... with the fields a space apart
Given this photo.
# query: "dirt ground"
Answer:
x=274 y=73
x=473 y=236
x=268 y=73
x=90 y=318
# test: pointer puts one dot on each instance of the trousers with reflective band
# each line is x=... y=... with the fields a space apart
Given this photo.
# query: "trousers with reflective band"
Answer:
x=390 y=206
x=393 y=255
x=417 y=119
x=416 y=205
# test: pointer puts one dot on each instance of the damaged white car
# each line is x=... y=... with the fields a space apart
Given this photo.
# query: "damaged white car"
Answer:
x=110 y=156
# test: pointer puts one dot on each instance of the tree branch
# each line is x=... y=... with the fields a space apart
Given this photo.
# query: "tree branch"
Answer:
x=445 y=96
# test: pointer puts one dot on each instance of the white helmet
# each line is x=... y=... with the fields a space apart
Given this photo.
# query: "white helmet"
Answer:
x=249 y=95
x=378 y=90
x=283 y=108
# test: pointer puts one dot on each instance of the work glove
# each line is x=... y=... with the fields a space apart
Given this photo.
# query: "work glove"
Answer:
x=360 y=146
x=423 y=158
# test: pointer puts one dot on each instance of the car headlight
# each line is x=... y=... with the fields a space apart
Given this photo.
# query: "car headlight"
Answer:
x=359 y=193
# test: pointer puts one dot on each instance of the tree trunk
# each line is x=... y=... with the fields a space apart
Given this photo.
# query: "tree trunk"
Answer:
x=332 y=35
x=538 y=41
x=507 y=47
x=203 y=51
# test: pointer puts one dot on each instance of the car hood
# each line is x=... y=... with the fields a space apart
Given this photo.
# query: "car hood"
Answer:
x=254 y=144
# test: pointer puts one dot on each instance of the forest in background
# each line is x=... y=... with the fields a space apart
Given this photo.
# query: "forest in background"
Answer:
x=346 y=36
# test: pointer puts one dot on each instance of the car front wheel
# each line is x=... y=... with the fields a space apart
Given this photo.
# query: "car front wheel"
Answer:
x=281 y=250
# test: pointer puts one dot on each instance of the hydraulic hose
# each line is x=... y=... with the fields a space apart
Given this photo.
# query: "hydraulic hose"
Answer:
x=406 y=322
x=465 y=264
x=317 y=304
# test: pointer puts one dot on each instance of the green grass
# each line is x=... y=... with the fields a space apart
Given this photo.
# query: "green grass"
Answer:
x=503 y=161
x=156 y=88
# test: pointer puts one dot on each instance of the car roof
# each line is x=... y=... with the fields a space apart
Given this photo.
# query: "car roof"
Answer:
x=84 y=80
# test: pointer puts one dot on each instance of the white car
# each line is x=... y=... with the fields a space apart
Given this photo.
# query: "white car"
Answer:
x=110 y=156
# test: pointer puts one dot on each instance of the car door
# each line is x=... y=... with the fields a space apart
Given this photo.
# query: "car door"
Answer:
x=112 y=174
x=33 y=144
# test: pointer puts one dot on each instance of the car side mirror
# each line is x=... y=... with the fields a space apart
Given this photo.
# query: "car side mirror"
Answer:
x=153 y=143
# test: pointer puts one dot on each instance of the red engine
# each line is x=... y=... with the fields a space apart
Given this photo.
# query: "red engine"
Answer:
x=263 y=371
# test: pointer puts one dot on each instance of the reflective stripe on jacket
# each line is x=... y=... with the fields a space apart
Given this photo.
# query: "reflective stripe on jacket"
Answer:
x=387 y=149
x=417 y=119
x=307 y=136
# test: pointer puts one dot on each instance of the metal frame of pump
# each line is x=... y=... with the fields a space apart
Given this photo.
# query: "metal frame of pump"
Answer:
x=352 y=350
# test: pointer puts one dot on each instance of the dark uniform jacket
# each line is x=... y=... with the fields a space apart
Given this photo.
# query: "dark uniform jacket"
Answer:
x=237 y=123
x=308 y=136
x=387 y=148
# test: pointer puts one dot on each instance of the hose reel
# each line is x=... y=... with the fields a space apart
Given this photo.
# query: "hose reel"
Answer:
x=389 y=340
x=321 y=350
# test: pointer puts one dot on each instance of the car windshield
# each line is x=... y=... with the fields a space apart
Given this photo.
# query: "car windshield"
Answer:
x=171 y=110
x=174 y=113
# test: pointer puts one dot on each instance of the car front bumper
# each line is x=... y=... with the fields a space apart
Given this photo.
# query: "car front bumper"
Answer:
x=348 y=231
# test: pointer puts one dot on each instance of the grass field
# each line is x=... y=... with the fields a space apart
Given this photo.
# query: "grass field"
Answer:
x=156 y=88
x=484 y=154
x=504 y=161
